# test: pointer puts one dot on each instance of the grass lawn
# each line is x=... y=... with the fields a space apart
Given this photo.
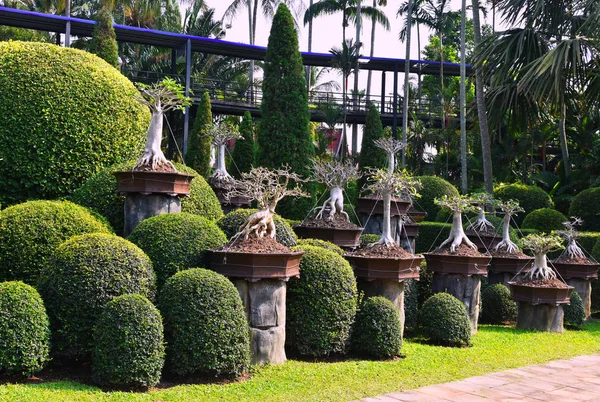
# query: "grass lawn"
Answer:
x=494 y=348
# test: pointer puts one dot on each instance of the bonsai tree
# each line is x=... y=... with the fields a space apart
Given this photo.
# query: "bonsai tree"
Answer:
x=219 y=135
x=335 y=175
x=570 y=235
x=457 y=205
x=540 y=246
x=267 y=187
x=481 y=200
x=509 y=208
x=160 y=97
x=391 y=147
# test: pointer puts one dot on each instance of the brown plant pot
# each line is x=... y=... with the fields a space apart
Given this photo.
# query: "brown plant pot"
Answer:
x=417 y=216
x=256 y=266
x=457 y=264
x=581 y=271
x=484 y=242
x=510 y=265
x=221 y=194
x=369 y=205
x=338 y=236
x=398 y=269
x=410 y=229
x=540 y=295
x=145 y=183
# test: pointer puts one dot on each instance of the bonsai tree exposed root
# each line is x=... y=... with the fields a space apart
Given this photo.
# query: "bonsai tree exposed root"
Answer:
x=509 y=208
x=458 y=205
x=540 y=246
x=335 y=175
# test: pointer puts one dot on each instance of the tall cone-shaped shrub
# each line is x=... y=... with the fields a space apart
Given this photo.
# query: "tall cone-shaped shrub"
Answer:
x=371 y=156
x=198 y=154
x=243 y=152
x=104 y=39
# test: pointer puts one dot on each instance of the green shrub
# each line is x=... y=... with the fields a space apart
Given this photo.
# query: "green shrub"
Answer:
x=231 y=223
x=371 y=156
x=431 y=235
x=587 y=241
x=90 y=270
x=24 y=330
x=242 y=157
x=368 y=238
x=175 y=242
x=31 y=231
x=585 y=206
x=530 y=198
x=411 y=305
x=205 y=324
x=545 y=220
x=64 y=115
x=574 y=311
x=199 y=146
x=443 y=319
x=595 y=294
x=377 y=331
x=497 y=306
x=321 y=243
x=424 y=285
x=321 y=304
x=432 y=187
x=104 y=39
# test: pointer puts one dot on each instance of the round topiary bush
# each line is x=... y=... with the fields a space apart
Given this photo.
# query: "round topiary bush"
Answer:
x=205 y=325
x=64 y=115
x=585 y=206
x=530 y=198
x=31 y=231
x=574 y=311
x=231 y=223
x=321 y=304
x=99 y=193
x=497 y=306
x=24 y=329
x=129 y=349
x=175 y=242
x=321 y=243
x=444 y=319
x=432 y=187
x=377 y=332
x=545 y=220
x=90 y=270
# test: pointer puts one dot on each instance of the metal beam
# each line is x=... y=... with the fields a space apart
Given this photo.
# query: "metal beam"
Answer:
x=188 y=79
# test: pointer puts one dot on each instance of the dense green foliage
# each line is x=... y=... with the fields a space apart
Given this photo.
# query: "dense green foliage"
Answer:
x=205 y=325
x=424 y=285
x=595 y=294
x=321 y=304
x=368 y=238
x=370 y=155
x=431 y=235
x=444 y=319
x=585 y=206
x=242 y=157
x=321 y=243
x=104 y=39
x=199 y=144
x=175 y=242
x=411 y=304
x=530 y=198
x=230 y=225
x=574 y=311
x=545 y=220
x=497 y=306
x=432 y=187
x=377 y=332
x=90 y=270
x=587 y=241
x=24 y=329
x=31 y=231
x=128 y=343
x=64 y=115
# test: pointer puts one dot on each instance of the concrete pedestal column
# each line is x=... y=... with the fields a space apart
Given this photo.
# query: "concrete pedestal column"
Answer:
x=466 y=288
x=584 y=288
x=139 y=207
x=541 y=317
x=391 y=290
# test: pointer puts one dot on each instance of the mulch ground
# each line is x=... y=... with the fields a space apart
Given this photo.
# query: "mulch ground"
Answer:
x=265 y=245
x=517 y=254
x=339 y=221
x=564 y=259
x=160 y=168
x=462 y=250
x=539 y=283
x=382 y=251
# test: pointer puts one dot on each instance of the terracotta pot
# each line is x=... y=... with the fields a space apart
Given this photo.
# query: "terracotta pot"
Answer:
x=539 y=295
x=375 y=206
x=410 y=229
x=255 y=266
x=581 y=271
x=457 y=264
x=510 y=265
x=338 y=236
x=221 y=194
x=398 y=269
x=484 y=242
x=170 y=183
x=417 y=216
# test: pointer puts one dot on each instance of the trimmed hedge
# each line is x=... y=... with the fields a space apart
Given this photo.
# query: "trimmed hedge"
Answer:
x=587 y=241
x=433 y=187
x=129 y=350
x=530 y=198
x=585 y=206
x=497 y=305
x=231 y=223
x=444 y=319
x=377 y=332
x=321 y=304
x=321 y=243
x=31 y=231
x=90 y=270
x=574 y=311
x=24 y=329
x=175 y=242
x=431 y=235
x=205 y=325
x=64 y=115
x=545 y=220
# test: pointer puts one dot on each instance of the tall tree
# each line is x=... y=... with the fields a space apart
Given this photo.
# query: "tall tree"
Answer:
x=104 y=39
x=380 y=3
x=242 y=157
x=463 y=101
x=371 y=156
x=199 y=147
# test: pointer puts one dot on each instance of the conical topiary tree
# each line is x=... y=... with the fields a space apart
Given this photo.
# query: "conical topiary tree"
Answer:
x=198 y=154
x=104 y=39
x=244 y=150
x=371 y=156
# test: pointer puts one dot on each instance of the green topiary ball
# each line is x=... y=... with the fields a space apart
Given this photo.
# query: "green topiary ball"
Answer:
x=175 y=242
x=545 y=220
x=574 y=311
x=530 y=198
x=432 y=187
x=31 y=231
x=129 y=349
x=231 y=223
x=585 y=206
x=205 y=325
x=24 y=330
x=497 y=305
x=64 y=115
x=377 y=332
x=321 y=243
x=321 y=304
x=90 y=270
x=444 y=319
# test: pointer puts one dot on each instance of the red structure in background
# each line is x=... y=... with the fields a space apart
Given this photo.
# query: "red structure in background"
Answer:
x=334 y=136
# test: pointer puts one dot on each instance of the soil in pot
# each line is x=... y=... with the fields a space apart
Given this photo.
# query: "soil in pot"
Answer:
x=164 y=168
x=462 y=250
x=264 y=245
x=339 y=221
x=382 y=251
x=541 y=283
x=565 y=259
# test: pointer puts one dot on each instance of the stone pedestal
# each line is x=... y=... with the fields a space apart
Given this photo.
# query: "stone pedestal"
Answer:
x=541 y=317
x=584 y=288
x=391 y=290
x=466 y=288
x=139 y=207
x=373 y=224
x=264 y=303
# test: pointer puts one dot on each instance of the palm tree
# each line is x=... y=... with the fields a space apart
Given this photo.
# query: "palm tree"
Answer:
x=381 y=3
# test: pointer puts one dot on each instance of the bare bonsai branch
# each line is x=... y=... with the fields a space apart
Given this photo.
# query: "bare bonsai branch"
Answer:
x=570 y=235
x=540 y=246
x=220 y=134
x=392 y=147
x=509 y=208
x=481 y=200
x=335 y=175
x=457 y=205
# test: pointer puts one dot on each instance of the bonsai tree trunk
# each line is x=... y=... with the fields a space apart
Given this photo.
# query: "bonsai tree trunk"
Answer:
x=259 y=225
x=335 y=202
x=510 y=246
x=221 y=170
x=153 y=155
x=386 y=236
x=457 y=234
x=540 y=268
x=481 y=224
